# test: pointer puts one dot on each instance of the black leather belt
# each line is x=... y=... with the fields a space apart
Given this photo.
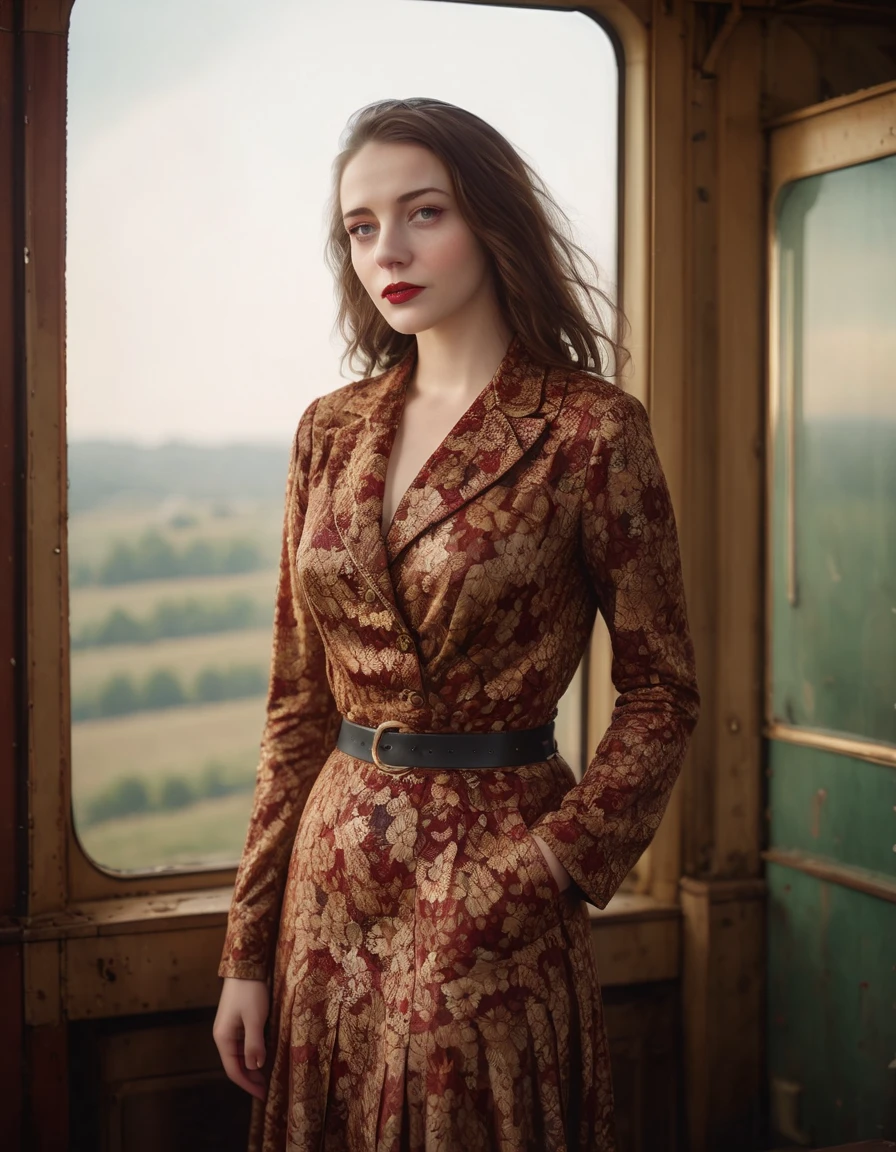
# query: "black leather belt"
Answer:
x=393 y=751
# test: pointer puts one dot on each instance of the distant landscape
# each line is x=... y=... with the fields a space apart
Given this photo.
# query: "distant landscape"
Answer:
x=173 y=562
x=173 y=568
x=833 y=648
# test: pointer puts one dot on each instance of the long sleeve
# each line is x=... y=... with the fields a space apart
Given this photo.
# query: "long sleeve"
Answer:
x=299 y=732
x=631 y=551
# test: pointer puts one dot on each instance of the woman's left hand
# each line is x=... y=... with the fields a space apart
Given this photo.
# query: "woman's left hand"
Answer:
x=561 y=876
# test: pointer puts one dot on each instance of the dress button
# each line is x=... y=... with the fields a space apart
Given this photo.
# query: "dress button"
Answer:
x=403 y=642
x=370 y=595
x=416 y=699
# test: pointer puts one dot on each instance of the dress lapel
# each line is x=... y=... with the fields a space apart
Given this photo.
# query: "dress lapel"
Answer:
x=495 y=431
x=358 y=461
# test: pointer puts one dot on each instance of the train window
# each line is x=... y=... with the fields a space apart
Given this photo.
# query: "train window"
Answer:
x=833 y=550
x=199 y=318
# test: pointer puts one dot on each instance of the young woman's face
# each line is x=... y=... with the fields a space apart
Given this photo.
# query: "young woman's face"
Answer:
x=399 y=209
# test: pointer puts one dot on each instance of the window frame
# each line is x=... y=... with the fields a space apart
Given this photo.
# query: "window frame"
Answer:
x=823 y=138
x=65 y=895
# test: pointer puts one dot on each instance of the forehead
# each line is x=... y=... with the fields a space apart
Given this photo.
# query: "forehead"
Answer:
x=381 y=172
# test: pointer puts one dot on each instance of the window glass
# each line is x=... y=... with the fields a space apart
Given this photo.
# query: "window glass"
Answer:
x=199 y=328
x=834 y=444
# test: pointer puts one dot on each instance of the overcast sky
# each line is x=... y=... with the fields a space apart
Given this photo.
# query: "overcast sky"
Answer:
x=200 y=145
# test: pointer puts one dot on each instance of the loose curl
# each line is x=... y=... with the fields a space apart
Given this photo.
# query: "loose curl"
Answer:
x=546 y=284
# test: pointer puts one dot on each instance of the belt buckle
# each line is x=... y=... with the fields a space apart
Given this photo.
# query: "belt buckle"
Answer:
x=386 y=726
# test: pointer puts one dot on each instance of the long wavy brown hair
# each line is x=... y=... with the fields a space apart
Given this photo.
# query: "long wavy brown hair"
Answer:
x=547 y=285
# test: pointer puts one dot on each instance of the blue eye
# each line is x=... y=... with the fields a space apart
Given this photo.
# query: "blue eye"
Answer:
x=432 y=214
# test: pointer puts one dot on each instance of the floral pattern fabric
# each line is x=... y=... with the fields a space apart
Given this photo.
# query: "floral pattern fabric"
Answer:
x=432 y=988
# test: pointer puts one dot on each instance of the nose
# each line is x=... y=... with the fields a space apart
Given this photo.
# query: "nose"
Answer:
x=391 y=246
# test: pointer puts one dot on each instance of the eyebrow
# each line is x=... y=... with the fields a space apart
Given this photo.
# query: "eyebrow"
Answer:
x=403 y=199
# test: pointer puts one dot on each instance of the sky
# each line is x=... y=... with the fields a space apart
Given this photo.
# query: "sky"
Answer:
x=836 y=236
x=200 y=142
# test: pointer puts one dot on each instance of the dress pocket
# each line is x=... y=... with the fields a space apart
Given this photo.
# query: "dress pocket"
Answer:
x=533 y=859
x=485 y=895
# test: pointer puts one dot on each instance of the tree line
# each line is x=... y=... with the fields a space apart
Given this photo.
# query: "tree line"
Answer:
x=132 y=796
x=170 y=619
x=122 y=694
x=154 y=557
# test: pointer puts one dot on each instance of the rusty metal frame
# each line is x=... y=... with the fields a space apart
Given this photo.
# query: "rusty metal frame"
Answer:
x=858 y=749
x=846 y=875
x=823 y=138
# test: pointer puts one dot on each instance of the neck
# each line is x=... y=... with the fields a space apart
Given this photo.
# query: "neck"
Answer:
x=457 y=359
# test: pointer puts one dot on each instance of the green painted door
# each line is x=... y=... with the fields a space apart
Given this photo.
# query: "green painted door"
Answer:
x=831 y=722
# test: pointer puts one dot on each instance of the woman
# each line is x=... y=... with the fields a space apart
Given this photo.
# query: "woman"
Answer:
x=415 y=893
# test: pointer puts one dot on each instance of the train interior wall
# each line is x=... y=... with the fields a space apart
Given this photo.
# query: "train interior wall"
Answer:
x=107 y=1028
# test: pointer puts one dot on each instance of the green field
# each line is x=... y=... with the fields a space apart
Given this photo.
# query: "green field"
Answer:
x=208 y=833
x=177 y=741
x=189 y=494
x=185 y=656
x=91 y=534
x=94 y=602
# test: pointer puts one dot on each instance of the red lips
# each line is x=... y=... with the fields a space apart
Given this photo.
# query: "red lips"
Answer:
x=400 y=292
x=401 y=286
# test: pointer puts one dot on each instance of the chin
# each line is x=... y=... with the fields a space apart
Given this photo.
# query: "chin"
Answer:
x=407 y=328
x=409 y=325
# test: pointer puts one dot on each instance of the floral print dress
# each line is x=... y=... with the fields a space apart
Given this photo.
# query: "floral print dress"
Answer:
x=431 y=987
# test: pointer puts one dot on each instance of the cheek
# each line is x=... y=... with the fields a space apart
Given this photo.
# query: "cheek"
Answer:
x=363 y=271
x=461 y=255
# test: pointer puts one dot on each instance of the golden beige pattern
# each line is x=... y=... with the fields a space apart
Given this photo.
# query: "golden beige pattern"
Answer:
x=432 y=989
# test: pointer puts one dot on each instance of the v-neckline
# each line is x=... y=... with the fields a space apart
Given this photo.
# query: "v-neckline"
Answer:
x=395 y=424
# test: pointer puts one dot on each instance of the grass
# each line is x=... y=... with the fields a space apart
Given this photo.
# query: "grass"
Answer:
x=90 y=534
x=176 y=741
x=185 y=656
x=211 y=832
x=94 y=602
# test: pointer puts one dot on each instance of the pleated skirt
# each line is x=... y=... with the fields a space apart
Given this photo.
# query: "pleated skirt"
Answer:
x=433 y=989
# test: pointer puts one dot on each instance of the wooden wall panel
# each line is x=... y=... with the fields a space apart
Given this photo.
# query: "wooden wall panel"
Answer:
x=144 y=972
x=13 y=1039
x=45 y=1062
x=154 y=1083
x=10 y=489
x=643 y=1030
x=723 y=994
x=697 y=175
x=43 y=48
x=736 y=717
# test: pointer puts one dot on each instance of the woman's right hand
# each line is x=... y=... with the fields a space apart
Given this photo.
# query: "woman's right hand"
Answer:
x=239 y=1032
